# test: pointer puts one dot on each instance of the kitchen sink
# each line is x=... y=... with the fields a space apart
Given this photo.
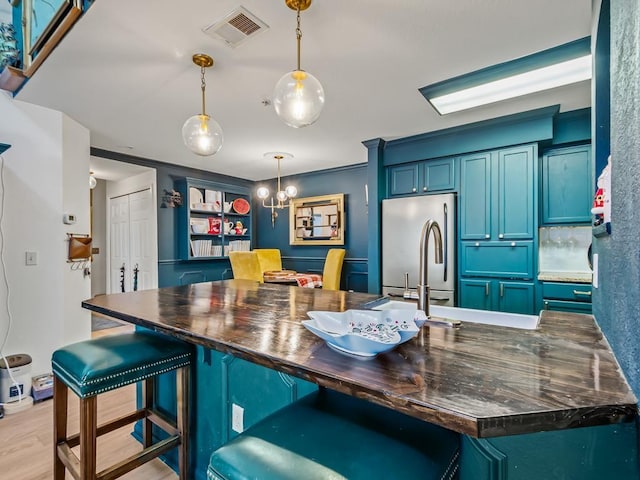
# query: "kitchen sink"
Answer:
x=467 y=315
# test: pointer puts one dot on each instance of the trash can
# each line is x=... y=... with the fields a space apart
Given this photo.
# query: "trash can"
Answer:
x=20 y=366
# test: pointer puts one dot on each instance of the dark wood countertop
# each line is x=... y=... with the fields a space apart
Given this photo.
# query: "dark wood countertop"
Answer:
x=480 y=380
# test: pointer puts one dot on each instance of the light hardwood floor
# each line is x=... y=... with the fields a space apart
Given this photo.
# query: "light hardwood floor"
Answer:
x=26 y=437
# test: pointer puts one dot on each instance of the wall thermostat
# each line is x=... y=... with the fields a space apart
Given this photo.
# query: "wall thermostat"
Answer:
x=69 y=218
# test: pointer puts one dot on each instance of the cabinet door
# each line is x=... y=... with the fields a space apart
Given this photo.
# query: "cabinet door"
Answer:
x=403 y=179
x=475 y=294
x=567 y=306
x=438 y=175
x=516 y=297
x=567 y=185
x=475 y=197
x=497 y=259
x=516 y=186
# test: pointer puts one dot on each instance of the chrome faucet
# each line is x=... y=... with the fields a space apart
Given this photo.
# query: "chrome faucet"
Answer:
x=423 y=288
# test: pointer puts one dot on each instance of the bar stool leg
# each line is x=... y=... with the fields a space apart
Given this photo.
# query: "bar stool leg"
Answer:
x=88 y=427
x=60 y=391
x=147 y=404
x=183 y=393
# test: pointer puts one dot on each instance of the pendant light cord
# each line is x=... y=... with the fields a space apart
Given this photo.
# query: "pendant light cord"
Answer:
x=202 y=86
x=298 y=34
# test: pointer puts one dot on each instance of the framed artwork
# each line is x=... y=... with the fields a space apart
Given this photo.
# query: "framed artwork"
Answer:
x=45 y=22
x=317 y=220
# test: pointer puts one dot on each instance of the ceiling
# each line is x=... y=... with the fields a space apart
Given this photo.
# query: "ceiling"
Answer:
x=125 y=72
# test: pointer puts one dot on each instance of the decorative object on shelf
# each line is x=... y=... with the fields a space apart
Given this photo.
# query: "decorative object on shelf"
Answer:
x=92 y=181
x=201 y=133
x=171 y=199
x=282 y=196
x=241 y=206
x=298 y=97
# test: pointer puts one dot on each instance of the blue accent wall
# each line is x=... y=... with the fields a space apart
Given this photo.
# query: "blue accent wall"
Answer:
x=349 y=180
x=616 y=302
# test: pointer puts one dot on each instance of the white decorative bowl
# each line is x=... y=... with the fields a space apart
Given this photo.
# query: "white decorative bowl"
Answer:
x=364 y=333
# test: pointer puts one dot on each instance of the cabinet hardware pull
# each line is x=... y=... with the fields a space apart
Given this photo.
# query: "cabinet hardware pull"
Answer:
x=486 y=289
x=477 y=244
x=513 y=244
x=413 y=189
x=579 y=292
x=500 y=235
x=546 y=305
x=502 y=289
x=424 y=189
x=486 y=235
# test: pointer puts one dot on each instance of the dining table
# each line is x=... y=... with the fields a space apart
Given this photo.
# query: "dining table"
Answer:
x=305 y=280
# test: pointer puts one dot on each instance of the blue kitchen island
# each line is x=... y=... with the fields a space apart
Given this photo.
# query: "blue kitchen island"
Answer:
x=543 y=403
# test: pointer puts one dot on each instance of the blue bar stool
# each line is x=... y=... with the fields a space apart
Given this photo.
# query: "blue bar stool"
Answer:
x=96 y=366
x=331 y=436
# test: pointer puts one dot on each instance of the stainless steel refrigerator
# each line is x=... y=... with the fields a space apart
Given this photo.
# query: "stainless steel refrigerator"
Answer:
x=402 y=222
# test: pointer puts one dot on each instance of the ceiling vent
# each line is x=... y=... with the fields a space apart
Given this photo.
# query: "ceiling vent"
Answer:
x=236 y=27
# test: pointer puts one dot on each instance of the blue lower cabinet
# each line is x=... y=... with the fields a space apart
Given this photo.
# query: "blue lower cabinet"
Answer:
x=495 y=294
x=475 y=294
x=516 y=297
x=231 y=395
x=588 y=453
x=566 y=297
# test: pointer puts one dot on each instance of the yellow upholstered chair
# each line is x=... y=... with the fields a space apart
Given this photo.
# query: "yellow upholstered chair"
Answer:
x=333 y=269
x=269 y=258
x=246 y=266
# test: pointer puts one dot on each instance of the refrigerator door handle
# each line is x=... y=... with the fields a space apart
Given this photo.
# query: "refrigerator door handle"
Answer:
x=446 y=242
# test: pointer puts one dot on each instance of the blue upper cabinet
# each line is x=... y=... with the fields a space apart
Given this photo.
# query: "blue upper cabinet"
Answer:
x=475 y=197
x=567 y=185
x=497 y=200
x=438 y=175
x=422 y=177
x=516 y=193
x=403 y=179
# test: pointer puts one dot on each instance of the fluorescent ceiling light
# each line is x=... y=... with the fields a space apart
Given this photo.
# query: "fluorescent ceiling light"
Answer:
x=564 y=73
x=563 y=65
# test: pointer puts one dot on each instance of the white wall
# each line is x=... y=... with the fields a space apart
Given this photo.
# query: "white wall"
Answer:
x=99 y=264
x=45 y=175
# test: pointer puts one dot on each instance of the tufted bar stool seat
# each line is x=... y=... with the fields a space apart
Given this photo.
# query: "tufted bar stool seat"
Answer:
x=95 y=366
x=331 y=436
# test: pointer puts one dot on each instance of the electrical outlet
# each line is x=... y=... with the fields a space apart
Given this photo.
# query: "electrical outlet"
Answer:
x=31 y=258
x=237 y=418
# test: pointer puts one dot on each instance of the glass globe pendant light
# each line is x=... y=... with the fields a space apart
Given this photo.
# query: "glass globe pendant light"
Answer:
x=298 y=97
x=201 y=133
